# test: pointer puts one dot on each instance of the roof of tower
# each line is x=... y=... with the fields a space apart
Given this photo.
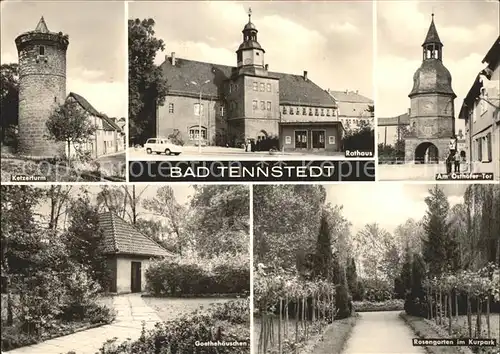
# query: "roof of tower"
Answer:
x=432 y=34
x=42 y=26
x=249 y=25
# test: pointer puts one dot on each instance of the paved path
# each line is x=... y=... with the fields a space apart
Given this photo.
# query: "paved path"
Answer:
x=131 y=311
x=381 y=333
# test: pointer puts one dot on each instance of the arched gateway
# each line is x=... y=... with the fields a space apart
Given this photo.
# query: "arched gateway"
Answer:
x=426 y=152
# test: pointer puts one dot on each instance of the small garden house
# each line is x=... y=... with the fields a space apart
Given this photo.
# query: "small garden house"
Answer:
x=129 y=253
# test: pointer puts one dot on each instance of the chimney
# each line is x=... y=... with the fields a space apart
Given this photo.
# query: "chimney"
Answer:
x=409 y=111
x=305 y=75
x=266 y=66
x=356 y=92
x=173 y=58
x=346 y=91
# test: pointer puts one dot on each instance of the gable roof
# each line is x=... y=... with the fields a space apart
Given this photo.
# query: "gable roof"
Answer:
x=108 y=123
x=120 y=237
x=294 y=89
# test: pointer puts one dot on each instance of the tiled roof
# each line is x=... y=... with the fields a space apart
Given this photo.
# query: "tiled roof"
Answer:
x=402 y=119
x=120 y=237
x=294 y=89
x=350 y=96
x=108 y=123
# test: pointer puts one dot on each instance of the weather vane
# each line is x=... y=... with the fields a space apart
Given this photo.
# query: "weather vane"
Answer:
x=249 y=13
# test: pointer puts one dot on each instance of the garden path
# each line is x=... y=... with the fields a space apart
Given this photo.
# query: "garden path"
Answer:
x=130 y=309
x=381 y=332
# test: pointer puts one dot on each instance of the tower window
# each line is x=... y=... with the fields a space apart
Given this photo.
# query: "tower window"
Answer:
x=262 y=87
x=268 y=87
x=268 y=105
x=298 y=111
x=55 y=99
x=284 y=110
x=316 y=112
x=256 y=86
x=254 y=104
x=263 y=105
x=41 y=50
x=304 y=111
x=170 y=108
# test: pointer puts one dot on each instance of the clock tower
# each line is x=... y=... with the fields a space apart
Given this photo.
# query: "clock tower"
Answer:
x=432 y=117
x=253 y=94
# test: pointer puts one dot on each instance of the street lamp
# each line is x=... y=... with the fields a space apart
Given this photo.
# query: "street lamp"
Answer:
x=199 y=111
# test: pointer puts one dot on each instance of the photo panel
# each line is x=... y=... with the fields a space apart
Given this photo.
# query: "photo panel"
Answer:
x=255 y=83
x=126 y=269
x=437 y=90
x=344 y=269
x=64 y=91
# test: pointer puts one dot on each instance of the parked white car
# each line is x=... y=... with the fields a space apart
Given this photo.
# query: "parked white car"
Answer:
x=160 y=145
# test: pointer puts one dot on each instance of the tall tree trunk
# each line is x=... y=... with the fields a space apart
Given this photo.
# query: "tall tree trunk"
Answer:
x=488 y=315
x=286 y=317
x=479 y=319
x=469 y=315
x=297 y=301
x=449 y=311
x=429 y=301
x=456 y=305
x=437 y=306
x=133 y=204
x=280 y=349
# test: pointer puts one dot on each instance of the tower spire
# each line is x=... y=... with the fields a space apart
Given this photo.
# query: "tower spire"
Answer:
x=42 y=26
x=432 y=34
x=249 y=15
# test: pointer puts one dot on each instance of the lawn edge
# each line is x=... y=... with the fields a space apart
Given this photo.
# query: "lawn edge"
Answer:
x=431 y=332
x=339 y=345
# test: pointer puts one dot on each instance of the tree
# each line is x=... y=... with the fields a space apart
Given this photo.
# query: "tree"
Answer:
x=166 y=206
x=85 y=240
x=440 y=251
x=147 y=86
x=352 y=280
x=70 y=124
x=323 y=258
x=9 y=100
x=58 y=197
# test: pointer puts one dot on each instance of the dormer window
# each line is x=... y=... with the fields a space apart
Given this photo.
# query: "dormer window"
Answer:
x=41 y=50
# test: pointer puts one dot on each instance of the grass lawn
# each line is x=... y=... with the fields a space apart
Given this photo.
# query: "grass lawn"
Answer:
x=172 y=308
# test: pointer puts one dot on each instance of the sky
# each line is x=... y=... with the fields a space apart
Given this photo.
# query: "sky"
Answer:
x=330 y=40
x=387 y=204
x=97 y=51
x=467 y=30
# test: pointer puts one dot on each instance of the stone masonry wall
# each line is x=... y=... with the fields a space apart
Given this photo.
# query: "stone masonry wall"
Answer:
x=42 y=87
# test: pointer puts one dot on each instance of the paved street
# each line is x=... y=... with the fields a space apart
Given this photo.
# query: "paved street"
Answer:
x=131 y=311
x=381 y=333
x=222 y=153
x=409 y=172
x=113 y=165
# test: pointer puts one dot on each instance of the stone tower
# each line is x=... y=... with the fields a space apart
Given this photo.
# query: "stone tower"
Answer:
x=254 y=91
x=432 y=117
x=42 y=87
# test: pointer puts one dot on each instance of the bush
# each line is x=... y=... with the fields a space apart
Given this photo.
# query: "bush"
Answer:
x=96 y=314
x=10 y=137
x=14 y=337
x=342 y=302
x=176 y=137
x=360 y=138
x=171 y=278
x=267 y=144
x=181 y=335
x=369 y=306
x=377 y=290
x=359 y=293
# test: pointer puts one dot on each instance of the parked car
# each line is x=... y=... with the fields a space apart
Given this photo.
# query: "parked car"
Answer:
x=160 y=145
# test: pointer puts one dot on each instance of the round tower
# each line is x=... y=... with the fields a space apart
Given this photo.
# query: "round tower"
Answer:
x=42 y=87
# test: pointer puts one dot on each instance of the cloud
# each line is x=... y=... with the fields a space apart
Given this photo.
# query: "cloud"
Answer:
x=106 y=97
x=343 y=28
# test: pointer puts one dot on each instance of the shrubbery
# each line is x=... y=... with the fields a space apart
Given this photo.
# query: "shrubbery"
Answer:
x=175 y=278
x=377 y=290
x=360 y=138
x=342 y=302
x=227 y=322
x=370 y=306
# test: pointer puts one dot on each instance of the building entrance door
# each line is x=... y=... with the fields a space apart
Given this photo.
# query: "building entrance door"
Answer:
x=318 y=139
x=135 y=277
x=301 y=139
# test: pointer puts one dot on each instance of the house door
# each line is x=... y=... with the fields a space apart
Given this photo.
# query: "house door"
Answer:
x=135 y=279
x=318 y=139
x=301 y=139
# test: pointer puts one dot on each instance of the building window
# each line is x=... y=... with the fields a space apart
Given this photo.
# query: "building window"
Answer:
x=310 y=111
x=255 y=105
x=230 y=88
x=194 y=133
x=298 y=111
x=304 y=111
x=284 y=110
x=268 y=87
x=328 y=112
x=316 y=111
x=262 y=105
x=288 y=140
x=484 y=103
x=221 y=111
x=198 y=110
x=479 y=149
x=322 y=111
x=41 y=50
x=292 y=111
x=331 y=139
x=262 y=87
x=170 y=108
x=268 y=105
x=256 y=86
